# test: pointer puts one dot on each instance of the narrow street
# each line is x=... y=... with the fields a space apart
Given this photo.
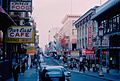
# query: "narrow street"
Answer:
x=75 y=75
x=79 y=38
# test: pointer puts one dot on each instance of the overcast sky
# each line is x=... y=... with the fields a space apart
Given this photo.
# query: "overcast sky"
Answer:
x=50 y=13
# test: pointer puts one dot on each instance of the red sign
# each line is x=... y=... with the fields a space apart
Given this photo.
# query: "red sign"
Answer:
x=89 y=51
x=90 y=37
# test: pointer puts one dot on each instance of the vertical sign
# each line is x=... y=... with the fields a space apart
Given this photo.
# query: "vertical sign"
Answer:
x=90 y=37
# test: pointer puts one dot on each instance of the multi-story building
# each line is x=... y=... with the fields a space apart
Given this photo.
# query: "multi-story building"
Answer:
x=69 y=33
x=12 y=16
x=84 y=26
x=108 y=17
x=5 y=56
x=66 y=37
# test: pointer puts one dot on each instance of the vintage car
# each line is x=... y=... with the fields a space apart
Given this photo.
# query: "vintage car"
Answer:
x=55 y=73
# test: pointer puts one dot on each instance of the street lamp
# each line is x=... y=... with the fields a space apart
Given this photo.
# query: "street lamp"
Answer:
x=100 y=33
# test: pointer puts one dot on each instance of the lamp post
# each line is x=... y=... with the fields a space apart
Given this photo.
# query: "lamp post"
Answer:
x=100 y=33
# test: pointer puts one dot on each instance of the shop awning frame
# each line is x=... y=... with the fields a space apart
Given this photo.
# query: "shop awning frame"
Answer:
x=5 y=20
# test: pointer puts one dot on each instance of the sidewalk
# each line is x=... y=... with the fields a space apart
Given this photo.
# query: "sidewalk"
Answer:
x=29 y=75
x=110 y=77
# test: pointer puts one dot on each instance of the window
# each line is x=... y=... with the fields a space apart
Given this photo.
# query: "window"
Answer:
x=118 y=22
x=0 y=2
x=1 y=45
x=114 y=24
x=74 y=32
x=110 y=25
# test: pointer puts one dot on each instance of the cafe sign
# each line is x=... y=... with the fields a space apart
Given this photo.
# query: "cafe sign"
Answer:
x=20 y=34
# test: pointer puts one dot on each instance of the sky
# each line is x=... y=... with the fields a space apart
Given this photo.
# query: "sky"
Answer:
x=49 y=14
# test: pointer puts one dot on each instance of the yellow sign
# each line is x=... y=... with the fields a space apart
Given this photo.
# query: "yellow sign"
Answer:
x=74 y=53
x=20 y=34
x=31 y=50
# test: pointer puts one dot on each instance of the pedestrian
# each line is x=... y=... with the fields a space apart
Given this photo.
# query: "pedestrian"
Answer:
x=43 y=74
x=80 y=66
x=15 y=71
x=23 y=68
x=88 y=67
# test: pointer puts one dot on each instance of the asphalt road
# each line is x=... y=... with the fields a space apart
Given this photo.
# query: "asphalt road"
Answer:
x=80 y=77
x=75 y=76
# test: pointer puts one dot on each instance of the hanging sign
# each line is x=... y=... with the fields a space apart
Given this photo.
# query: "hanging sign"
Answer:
x=24 y=6
x=20 y=34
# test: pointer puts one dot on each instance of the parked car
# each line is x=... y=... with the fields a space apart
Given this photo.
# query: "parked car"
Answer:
x=55 y=73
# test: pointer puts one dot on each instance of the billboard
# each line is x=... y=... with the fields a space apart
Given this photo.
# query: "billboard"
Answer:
x=20 y=34
x=21 y=5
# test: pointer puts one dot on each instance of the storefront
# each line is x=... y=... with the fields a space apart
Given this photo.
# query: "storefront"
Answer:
x=108 y=16
x=5 y=54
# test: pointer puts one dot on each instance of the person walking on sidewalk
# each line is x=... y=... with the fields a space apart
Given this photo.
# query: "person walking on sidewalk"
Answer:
x=23 y=68
x=15 y=72
x=80 y=66
x=88 y=65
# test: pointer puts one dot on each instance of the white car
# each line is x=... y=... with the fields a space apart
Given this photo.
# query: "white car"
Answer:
x=56 y=73
x=66 y=72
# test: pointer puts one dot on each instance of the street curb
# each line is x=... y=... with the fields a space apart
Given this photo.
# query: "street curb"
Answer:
x=94 y=76
x=89 y=74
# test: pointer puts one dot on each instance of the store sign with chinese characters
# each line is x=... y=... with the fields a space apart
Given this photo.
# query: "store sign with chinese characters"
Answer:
x=90 y=46
x=21 y=5
x=20 y=34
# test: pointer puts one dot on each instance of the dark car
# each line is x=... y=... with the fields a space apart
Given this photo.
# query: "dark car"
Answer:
x=54 y=73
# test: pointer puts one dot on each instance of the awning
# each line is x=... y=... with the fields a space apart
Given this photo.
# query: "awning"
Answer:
x=5 y=20
x=110 y=8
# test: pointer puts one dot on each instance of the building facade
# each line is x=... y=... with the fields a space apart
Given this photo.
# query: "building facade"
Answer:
x=69 y=32
x=108 y=16
x=84 y=26
x=12 y=53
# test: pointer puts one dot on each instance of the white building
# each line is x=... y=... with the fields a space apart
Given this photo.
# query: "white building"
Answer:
x=85 y=33
x=68 y=33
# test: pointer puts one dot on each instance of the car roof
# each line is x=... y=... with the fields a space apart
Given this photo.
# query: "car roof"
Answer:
x=54 y=67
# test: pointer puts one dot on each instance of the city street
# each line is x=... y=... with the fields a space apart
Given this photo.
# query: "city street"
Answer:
x=59 y=40
x=80 y=77
x=75 y=75
x=33 y=75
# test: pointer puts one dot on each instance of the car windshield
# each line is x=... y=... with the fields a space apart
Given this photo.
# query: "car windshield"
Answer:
x=54 y=72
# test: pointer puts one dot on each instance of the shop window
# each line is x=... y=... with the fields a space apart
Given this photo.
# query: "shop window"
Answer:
x=0 y=2
x=1 y=45
x=115 y=41
x=110 y=25
x=114 y=24
x=118 y=22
